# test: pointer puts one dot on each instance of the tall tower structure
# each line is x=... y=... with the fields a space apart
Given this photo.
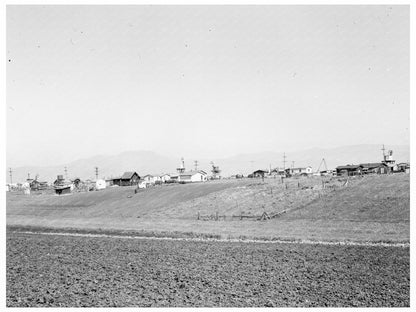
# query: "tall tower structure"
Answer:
x=181 y=169
x=215 y=171
x=388 y=159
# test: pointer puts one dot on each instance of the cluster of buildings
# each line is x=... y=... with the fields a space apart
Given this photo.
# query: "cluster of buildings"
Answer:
x=181 y=176
x=387 y=165
x=288 y=172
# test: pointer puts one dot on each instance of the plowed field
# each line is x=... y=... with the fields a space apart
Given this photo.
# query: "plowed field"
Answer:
x=77 y=271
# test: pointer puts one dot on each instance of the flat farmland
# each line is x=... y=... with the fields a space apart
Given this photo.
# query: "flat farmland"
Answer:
x=67 y=271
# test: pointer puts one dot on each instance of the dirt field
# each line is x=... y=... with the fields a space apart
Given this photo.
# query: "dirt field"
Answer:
x=53 y=270
x=63 y=271
x=373 y=208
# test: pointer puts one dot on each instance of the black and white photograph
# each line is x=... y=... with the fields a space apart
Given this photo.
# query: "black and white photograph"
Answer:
x=207 y=155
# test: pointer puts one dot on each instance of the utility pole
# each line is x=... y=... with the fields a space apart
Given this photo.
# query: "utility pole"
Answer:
x=66 y=173
x=196 y=165
x=284 y=161
x=11 y=177
x=96 y=173
x=384 y=155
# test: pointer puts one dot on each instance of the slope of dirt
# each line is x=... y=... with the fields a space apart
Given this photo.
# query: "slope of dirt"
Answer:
x=112 y=202
x=379 y=198
x=367 y=209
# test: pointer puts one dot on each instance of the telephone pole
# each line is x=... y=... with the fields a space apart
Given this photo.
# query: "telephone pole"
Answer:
x=196 y=165
x=66 y=173
x=284 y=161
x=96 y=173
x=11 y=177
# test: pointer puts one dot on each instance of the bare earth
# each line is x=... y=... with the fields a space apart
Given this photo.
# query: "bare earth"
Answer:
x=73 y=271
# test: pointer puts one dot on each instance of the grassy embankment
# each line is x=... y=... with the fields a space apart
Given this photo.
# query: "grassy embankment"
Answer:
x=373 y=208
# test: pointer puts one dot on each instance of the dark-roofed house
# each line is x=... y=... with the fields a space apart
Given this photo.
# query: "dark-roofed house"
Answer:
x=403 y=167
x=128 y=178
x=349 y=170
x=379 y=168
x=258 y=174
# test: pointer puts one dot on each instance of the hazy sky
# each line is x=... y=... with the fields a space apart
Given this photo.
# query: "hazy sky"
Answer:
x=203 y=81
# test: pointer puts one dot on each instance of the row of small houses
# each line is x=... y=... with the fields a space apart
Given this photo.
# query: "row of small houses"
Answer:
x=133 y=178
x=379 y=168
x=349 y=170
x=302 y=171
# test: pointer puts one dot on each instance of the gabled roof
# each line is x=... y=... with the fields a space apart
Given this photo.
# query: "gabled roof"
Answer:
x=261 y=170
x=346 y=167
x=372 y=165
x=403 y=164
x=128 y=175
x=300 y=168
x=191 y=173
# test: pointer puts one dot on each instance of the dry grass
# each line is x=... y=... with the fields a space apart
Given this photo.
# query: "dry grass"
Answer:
x=373 y=208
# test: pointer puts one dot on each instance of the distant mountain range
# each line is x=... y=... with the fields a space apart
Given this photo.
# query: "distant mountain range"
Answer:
x=147 y=162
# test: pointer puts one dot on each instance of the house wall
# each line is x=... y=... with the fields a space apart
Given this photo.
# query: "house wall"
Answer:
x=165 y=178
x=149 y=179
x=198 y=177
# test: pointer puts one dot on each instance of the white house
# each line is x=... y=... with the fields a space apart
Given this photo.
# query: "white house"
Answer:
x=299 y=171
x=193 y=176
x=148 y=178
x=165 y=177
x=100 y=184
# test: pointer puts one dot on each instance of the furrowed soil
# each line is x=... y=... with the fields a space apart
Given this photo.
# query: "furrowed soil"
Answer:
x=66 y=271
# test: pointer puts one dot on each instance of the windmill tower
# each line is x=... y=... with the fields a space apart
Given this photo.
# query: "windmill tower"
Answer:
x=181 y=169
x=215 y=171
x=388 y=158
x=322 y=172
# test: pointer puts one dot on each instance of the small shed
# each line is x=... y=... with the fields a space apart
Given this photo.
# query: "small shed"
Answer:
x=193 y=176
x=165 y=177
x=128 y=178
x=379 y=168
x=259 y=173
x=349 y=170
x=403 y=167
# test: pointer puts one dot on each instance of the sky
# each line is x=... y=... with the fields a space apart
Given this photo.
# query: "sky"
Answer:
x=203 y=81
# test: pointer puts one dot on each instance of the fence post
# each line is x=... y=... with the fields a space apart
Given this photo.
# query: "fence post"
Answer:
x=198 y=216
x=216 y=216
